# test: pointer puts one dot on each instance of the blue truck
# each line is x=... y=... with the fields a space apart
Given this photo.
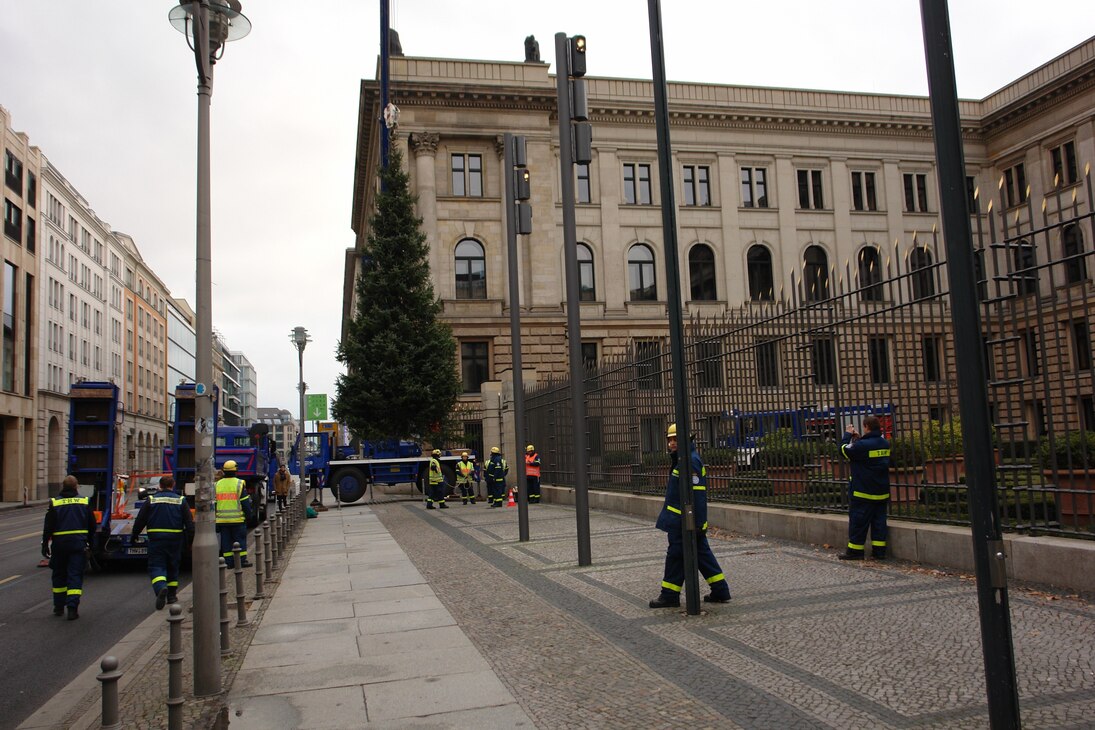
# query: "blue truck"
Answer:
x=348 y=471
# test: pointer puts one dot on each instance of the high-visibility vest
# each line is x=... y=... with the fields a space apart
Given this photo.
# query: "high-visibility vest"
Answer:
x=229 y=495
x=532 y=465
x=435 y=471
x=465 y=472
x=71 y=515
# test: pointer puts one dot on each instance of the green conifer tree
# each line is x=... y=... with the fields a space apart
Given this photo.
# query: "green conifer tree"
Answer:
x=401 y=379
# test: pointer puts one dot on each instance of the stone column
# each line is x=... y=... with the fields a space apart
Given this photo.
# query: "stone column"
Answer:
x=424 y=146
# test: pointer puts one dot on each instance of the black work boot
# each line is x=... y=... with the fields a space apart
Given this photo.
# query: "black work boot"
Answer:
x=59 y=610
x=444 y=505
x=850 y=555
x=664 y=601
x=73 y=614
x=161 y=599
x=712 y=598
x=429 y=506
x=171 y=597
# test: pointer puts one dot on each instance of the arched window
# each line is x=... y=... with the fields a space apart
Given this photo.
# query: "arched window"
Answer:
x=587 y=289
x=1025 y=273
x=471 y=270
x=701 y=273
x=758 y=263
x=1072 y=241
x=640 y=273
x=870 y=274
x=920 y=266
x=815 y=274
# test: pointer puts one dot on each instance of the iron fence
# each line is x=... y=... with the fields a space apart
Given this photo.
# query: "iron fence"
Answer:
x=774 y=382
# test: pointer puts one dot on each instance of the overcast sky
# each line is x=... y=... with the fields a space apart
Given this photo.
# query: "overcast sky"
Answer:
x=107 y=90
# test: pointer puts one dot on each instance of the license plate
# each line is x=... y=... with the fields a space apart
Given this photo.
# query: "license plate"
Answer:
x=137 y=551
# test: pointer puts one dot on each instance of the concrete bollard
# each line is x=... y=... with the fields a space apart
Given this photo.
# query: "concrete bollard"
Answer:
x=281 y=535
x=268 y=553
x=241 y=604
x=175 y=668
x=109 y=678
x=259 y=592
x=226 y=637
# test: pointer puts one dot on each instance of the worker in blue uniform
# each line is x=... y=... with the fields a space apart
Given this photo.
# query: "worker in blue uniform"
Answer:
x=70 y=524
x=671 y=522
x=868 y=488
x=435 y=494
x=495 y=474
x=233 y=511
x=170 y=524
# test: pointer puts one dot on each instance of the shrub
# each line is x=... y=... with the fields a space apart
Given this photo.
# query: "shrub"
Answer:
x=781 y=448
x=618 y=458
x=719 y=456
x=656 y=458
x=942 y=439
x=1075 y=449
x=906 y=451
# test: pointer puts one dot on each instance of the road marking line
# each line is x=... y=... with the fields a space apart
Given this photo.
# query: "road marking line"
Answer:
x=22 y=537
x=39 y=606
x=8 y=579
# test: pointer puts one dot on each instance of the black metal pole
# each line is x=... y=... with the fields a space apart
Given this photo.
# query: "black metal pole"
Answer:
x=574 y=312
x=508 y=155
x=385 y=54
x=988 y=547
x=676 y=315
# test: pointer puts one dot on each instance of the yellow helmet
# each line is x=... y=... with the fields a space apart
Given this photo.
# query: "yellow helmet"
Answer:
x=495 y=450
x=671 y=433
x=229 y=465
x=530 y=447
x=437 y=452
x=463 y=454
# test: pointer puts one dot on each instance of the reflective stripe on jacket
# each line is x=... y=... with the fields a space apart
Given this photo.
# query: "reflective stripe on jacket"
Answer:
x=496 y=469
x=71 y=516
x=465 y=472
x=166 y=513
x=670 y=517
x=870 y=463
x=229 y=500
x=532 y=464
x=436 y=477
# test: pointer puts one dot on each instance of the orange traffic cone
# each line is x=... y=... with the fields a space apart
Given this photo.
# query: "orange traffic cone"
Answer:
x=511 y=503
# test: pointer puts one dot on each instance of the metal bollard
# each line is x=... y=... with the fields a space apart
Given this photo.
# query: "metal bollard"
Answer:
x=259 y=592
x=175 y=668
x=226 y=637
x=241 y=603
x=273 y=545
x=109 y=678
x=268 y=553
x=282 y=537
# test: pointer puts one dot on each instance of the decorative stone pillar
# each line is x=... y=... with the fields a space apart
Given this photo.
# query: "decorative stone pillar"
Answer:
x=424 y=146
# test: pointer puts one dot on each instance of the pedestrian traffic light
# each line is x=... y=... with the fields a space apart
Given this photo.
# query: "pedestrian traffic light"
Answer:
x=577 y=47
x=522 y=189
x=583 y=143
x=579 y=100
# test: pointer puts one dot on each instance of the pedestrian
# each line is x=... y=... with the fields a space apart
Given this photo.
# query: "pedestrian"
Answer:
x=233 y=511
x=282 y=481
x=467 y=474
x=868 y=488
x=495 y=473
x=669 y=521
x=532 y=474
x=170 y=526
x=435 y=493
x=70 y=524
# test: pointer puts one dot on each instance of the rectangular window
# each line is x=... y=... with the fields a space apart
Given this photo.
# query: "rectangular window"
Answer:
x=582 y=190
x=767 y=355
x=810 y=195
x=474 y=365
x=589 y=354
x=823 y=360
x=1031 y=354
x=1081 y=345
x=864 y=196
x=637 y=184
x=652 y=434
x=931 y=348
x=1065 y=171
x=916 y=192
x=1015 y=186
x=754 y=187
x=13 y=221
x=710 y=366
x=878 y=351
x=971 y=195
x=696 y=185
x=1087 y=412
x=467 y=175
x=13 y=172
x=7 y=355
x=32 y=235
x=648 y=359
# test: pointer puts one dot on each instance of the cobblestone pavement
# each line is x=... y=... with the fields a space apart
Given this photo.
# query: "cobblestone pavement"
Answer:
x=806 y=642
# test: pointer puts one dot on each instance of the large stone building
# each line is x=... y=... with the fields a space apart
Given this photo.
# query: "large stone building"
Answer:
x=775 y=187
x=18 y=346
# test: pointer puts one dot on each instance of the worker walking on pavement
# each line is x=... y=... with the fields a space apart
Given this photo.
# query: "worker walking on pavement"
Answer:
x=467 y=475
x=532 y=474
x=495 y=473
x=233 y=511
x=670 y=521
x=170 y=525
x=436 y=492
x=69 y=525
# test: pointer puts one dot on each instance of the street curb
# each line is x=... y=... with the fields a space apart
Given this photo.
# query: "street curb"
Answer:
x=10 y=506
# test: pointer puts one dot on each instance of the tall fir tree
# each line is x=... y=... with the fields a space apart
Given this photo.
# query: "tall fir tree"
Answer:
x=401 y=379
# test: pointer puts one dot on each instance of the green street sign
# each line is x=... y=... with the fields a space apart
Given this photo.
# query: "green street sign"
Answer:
x=315 y=407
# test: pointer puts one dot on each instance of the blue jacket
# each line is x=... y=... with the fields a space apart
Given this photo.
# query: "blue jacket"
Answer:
x=496 y=469
x=870 y=462
x=166 y=514
x=69 y=517
x=669 y=520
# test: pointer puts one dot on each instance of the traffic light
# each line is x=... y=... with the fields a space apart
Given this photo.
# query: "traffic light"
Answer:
x=524 y=218
x=577 y=56
x=583 y=143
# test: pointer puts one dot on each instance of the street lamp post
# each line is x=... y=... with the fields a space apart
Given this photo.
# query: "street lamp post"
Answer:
x=208 y=25
x=300 y=339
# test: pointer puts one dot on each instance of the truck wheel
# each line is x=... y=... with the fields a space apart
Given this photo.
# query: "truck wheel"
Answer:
x=423 y=477
x=449 y=473
x=348 y=484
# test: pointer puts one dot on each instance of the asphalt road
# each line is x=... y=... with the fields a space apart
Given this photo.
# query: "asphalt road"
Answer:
x=43 y=653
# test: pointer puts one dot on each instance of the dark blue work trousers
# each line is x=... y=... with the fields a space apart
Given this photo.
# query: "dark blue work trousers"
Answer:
x=864 y=514
x=705 y=560
x=233 y=532
x=164 y=557
x=68 y=560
